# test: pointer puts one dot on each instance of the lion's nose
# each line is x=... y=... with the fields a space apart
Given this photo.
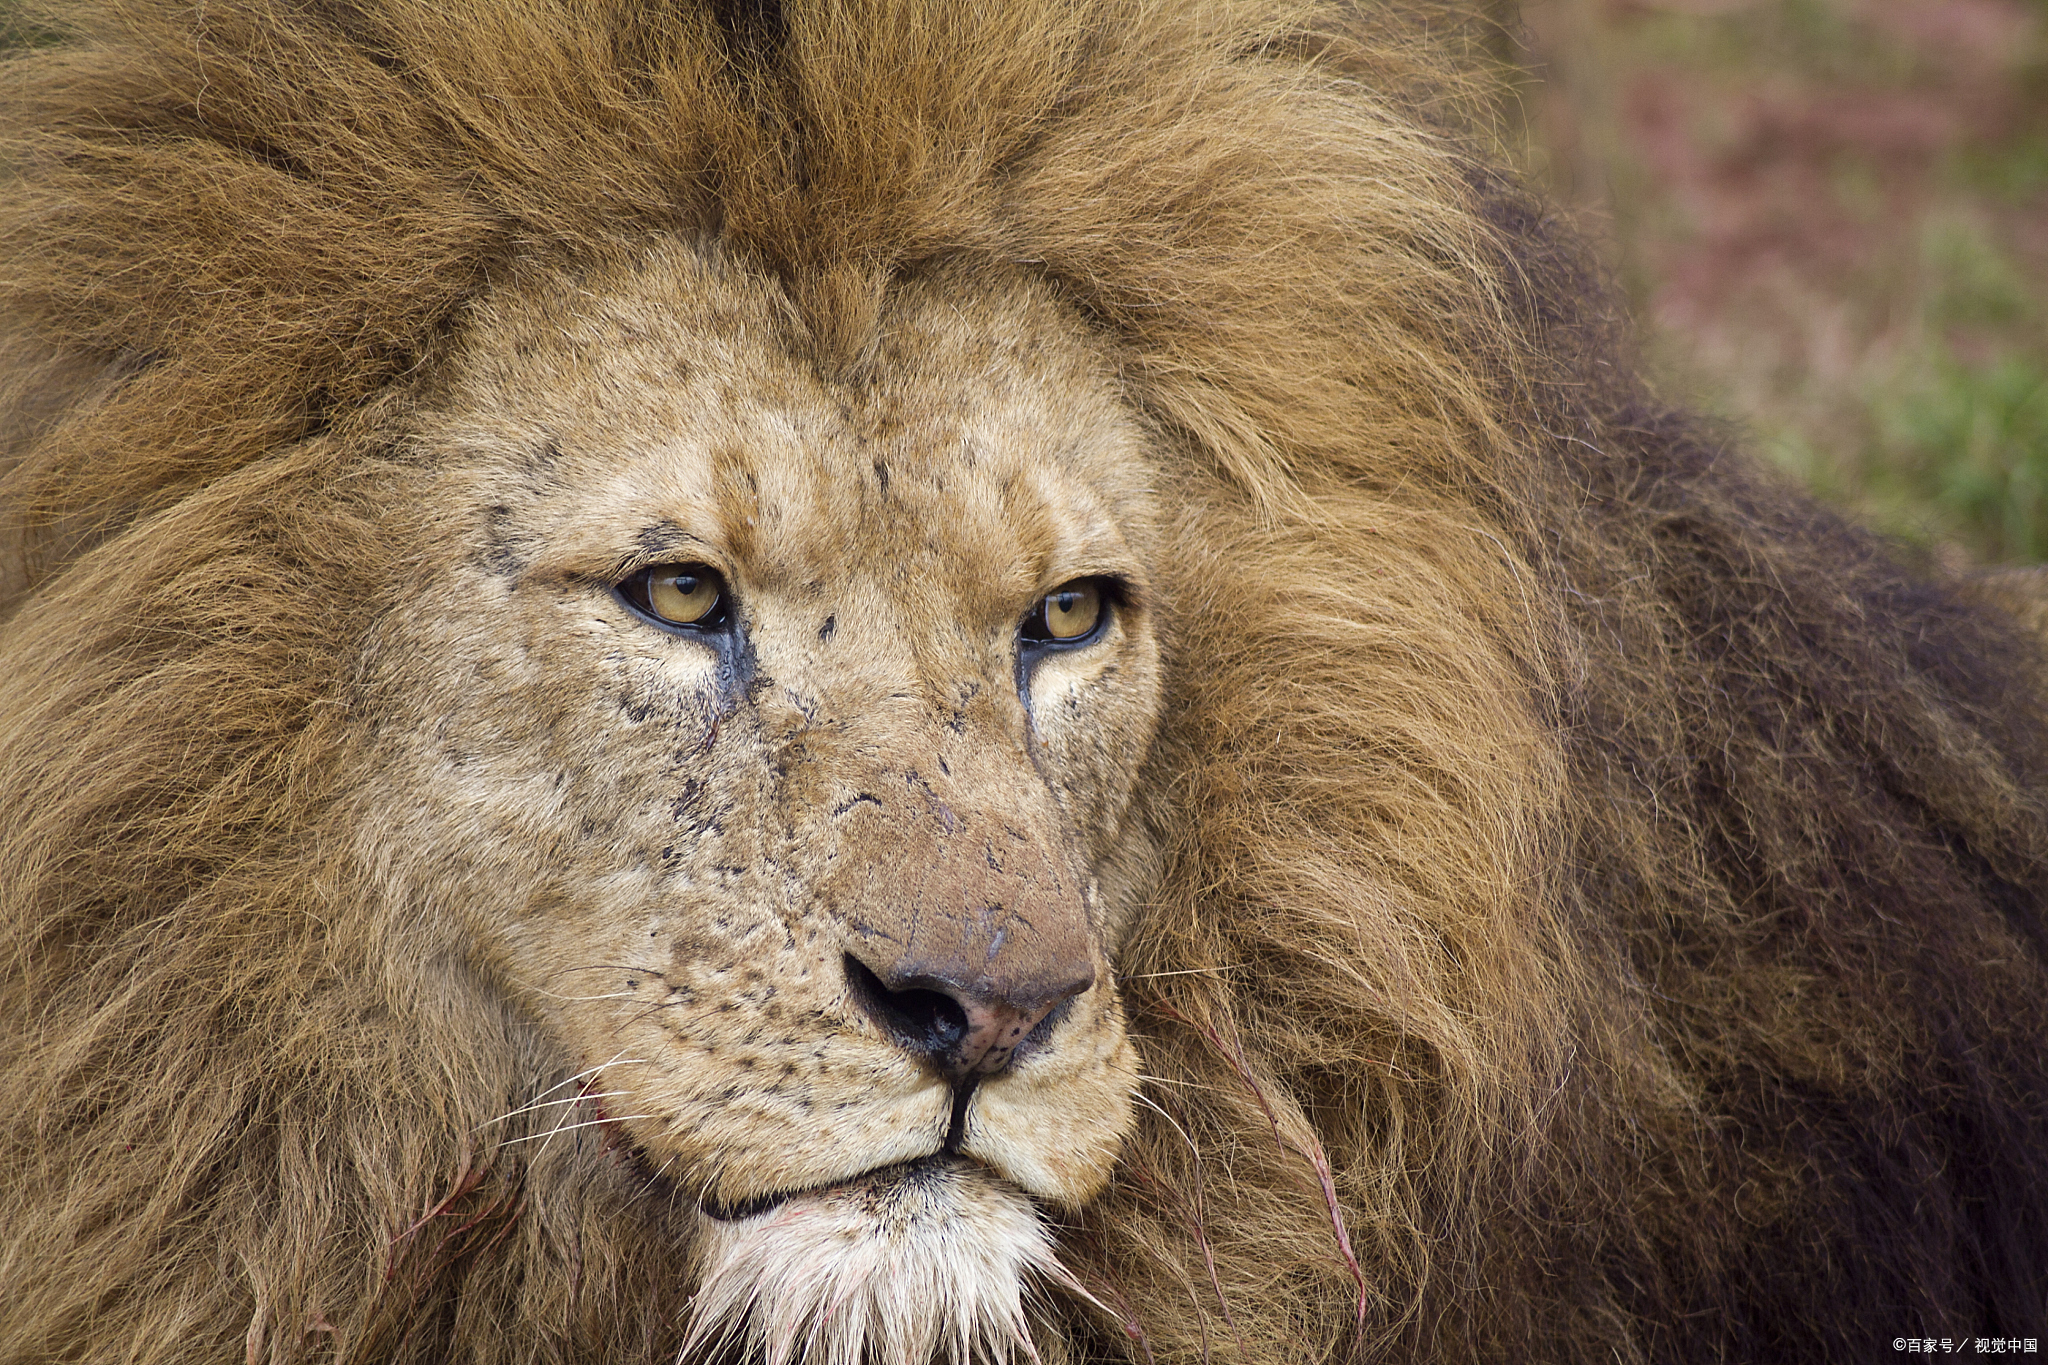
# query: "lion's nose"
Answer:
x=966 y=1029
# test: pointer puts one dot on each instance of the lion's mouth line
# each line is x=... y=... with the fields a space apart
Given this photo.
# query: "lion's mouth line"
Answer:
x=759 y=1204
x=948 y=1154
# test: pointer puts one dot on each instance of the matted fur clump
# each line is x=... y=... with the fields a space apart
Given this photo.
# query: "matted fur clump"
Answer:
x=1556 y=894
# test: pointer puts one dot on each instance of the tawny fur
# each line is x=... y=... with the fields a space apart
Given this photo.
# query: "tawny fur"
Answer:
x=1590 y=903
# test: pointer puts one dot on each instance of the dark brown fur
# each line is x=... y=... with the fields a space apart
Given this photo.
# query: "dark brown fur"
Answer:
x=1603 y=905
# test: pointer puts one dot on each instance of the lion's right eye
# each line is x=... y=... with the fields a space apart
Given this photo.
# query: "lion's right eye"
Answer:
x=678 y=594
x=1071 y=614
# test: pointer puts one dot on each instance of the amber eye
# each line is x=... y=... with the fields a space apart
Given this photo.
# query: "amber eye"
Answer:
x=1069 y=614
x=678 y=594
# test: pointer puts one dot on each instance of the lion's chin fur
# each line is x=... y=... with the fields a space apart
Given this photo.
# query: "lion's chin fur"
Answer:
x=901 y=1267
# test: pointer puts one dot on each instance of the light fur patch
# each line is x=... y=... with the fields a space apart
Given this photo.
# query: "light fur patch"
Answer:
x=909 y=1267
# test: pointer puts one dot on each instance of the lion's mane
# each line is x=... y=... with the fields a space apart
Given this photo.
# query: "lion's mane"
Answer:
x=1602 y=903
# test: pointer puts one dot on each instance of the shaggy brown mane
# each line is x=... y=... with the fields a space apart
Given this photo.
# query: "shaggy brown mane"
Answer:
x=1602 y=908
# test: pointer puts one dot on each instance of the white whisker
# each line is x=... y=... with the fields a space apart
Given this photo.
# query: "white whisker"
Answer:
x=549 y=1135
x=618 y=1058
x=540 y=1101
x=1171 y=1121
x=538 y=1105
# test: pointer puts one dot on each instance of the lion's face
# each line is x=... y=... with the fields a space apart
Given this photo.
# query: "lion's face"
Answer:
x=768 y=739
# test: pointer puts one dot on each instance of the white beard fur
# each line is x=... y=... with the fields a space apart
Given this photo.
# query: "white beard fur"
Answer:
x=912 y=1266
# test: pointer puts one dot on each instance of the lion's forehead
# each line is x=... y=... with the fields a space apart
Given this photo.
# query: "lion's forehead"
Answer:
x=977 y=453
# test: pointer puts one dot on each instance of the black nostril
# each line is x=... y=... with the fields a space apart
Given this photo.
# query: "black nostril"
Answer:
x=924 y=1022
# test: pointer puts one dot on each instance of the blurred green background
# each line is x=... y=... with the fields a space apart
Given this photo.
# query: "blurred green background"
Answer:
x=1832 y=218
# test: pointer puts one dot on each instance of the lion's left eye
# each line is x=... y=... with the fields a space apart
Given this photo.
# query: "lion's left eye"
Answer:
x=1070 y=614
x=679 y=594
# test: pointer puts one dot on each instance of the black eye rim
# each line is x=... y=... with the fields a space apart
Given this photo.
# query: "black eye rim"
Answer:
x=1034 y=634
x=635 y=591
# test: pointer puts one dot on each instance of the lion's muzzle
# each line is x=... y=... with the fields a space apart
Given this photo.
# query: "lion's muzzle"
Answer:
x=966 y=1022
x=966 y=912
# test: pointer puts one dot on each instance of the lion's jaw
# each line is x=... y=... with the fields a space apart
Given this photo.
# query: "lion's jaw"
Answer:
x=927 y=1262
x=681 y=856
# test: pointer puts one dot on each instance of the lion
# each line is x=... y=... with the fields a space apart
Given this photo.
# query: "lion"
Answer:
x=906 y=682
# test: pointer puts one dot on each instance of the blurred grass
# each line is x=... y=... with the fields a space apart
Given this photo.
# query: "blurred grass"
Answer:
x=1833 y=217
